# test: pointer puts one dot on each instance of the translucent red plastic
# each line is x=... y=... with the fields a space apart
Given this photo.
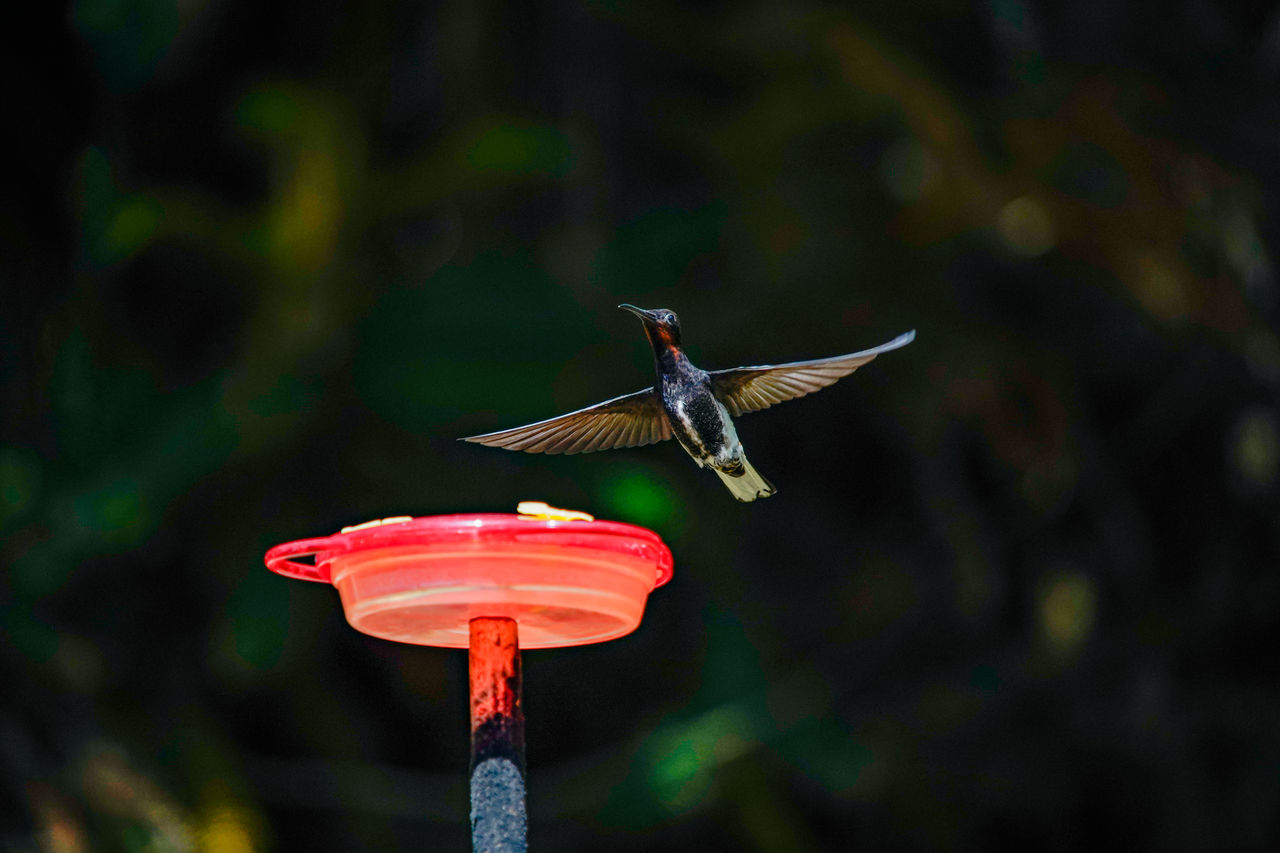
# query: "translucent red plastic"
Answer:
x=423 y=580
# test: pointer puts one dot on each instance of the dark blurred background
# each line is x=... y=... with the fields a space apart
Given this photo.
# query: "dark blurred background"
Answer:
x=264 y=263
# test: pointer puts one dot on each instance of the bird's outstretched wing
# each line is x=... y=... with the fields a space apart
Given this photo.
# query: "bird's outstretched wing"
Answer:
x=750 y=389
x=627 y=421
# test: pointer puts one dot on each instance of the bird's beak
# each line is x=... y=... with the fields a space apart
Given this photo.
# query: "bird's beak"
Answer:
x=644 y=315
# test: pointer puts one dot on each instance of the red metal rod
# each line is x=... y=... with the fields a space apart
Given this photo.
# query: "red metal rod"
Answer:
x=498 y=819
x=497 y=719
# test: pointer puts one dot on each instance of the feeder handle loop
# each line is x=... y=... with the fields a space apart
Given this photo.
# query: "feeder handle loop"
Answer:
x=280 y=559
x=666 y=566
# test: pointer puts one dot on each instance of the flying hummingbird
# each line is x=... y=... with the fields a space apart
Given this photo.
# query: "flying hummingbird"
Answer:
x=695 y=406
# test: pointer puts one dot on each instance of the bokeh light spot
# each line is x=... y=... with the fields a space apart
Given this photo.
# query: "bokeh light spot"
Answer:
x=1160 y=288
x=225 y=830
x=133 y=225
x=639 y=497
x=1025 y=227
x=521 y=150
x=269 y=110
x=1067 y=609
x=306 y=216
x=1256 y=448
x=673 y=774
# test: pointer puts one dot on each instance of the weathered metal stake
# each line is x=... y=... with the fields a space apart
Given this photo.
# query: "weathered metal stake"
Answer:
x=498 y=819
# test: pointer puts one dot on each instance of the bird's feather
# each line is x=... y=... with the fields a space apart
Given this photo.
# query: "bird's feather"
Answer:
x=750 y=389
x=627 y=421
x=747 y=483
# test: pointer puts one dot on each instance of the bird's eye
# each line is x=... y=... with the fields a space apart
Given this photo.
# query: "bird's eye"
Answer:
x=670 y=318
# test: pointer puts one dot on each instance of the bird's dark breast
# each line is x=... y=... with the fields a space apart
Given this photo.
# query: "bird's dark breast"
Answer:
x=703 y=416
x=704 y=413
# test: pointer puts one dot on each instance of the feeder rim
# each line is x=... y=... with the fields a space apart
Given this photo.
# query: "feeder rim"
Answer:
x=438 y=529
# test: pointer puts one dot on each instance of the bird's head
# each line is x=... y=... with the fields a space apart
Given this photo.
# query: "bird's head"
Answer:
x=660 y=324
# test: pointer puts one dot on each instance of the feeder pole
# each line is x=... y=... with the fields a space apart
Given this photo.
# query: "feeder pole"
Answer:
x=498 y=820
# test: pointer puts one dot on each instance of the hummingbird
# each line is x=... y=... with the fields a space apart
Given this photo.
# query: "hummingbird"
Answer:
x=695 y=406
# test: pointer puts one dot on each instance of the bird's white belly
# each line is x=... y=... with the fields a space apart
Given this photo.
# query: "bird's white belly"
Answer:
x=730 y=448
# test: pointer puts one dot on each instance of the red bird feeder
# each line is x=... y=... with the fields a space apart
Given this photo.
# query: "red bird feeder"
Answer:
x=494 y=584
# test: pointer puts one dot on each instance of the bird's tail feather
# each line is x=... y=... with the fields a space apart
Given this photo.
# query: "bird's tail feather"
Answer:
x=747 y=485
